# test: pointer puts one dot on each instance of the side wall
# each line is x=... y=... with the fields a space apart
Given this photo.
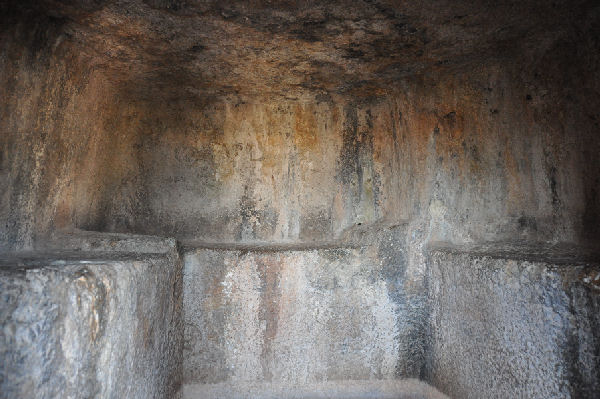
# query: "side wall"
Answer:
x=63 y=131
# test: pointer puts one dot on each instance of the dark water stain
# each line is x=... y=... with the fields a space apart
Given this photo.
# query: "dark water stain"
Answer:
x=197 y=48
x=44 y=31
x=571 y=351
x=269 y=269
x=357 y=154
x=412 y=317
x=553 y=186
x=247 y=209
x=591 y=214
x=527 y=223
x=349 y=160
x=172 y=5
x=210 y=273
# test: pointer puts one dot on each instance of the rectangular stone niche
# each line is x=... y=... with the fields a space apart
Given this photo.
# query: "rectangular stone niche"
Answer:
x=299 y=316
x=82 y=324
x=512 y=322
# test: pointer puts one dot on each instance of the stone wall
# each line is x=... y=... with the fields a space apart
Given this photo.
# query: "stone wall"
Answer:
x=514 y=322
x=91 y=324
x=480 y=156
x=498 y=151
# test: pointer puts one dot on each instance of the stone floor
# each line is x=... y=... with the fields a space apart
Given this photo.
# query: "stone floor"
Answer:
x=387 y=389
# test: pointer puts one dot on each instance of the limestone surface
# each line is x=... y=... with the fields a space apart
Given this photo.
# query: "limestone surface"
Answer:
x=90 y=324
x=514 y=322
x=300 y=316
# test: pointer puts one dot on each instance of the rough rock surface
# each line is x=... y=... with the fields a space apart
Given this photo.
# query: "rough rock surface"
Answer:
x=502 y=146
x=288 y=49
x=300 y=316
x=90 y=324
x=306 y=124
x=509 y=322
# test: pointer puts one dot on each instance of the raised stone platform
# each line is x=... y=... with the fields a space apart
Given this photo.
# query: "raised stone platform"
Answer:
x=514 y=321
x=114 y=315
x=300 y=315
x=79 y=323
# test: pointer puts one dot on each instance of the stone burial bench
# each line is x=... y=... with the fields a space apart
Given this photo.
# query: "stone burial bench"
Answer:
x=514 y=321
x=99 y=318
